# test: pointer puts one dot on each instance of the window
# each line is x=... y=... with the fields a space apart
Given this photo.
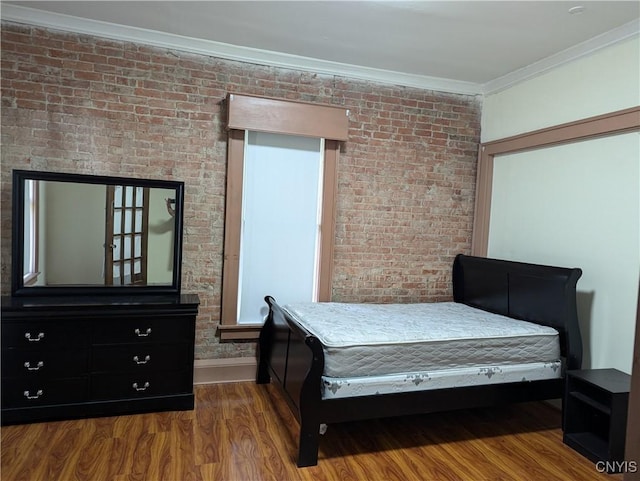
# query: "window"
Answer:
x=31 y=237
x=249 y=118
x=281 y=217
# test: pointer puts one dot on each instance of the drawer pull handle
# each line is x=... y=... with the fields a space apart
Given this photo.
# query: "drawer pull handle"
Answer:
x=137 y=360
x=143 y=388
x=143 y=334
x=28 y=395
x=27 y=336
x=38 y=366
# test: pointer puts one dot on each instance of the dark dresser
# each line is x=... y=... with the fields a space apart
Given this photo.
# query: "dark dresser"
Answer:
x=84 y=356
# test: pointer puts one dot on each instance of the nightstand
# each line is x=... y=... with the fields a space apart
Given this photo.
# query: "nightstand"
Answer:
x=595 y=413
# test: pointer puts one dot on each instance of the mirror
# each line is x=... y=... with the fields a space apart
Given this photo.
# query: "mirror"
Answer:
x=85 y=234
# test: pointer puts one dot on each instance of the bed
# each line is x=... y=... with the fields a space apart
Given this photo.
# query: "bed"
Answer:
x=508 y=336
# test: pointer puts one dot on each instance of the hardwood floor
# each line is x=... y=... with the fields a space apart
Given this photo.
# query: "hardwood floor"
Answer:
x=245 y=432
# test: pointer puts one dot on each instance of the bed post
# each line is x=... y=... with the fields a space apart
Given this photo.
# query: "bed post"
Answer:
x=264 y=347
x=310 y=407
x=309 y=441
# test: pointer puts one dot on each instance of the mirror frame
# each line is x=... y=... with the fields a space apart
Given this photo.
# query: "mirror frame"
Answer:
x=17 y=238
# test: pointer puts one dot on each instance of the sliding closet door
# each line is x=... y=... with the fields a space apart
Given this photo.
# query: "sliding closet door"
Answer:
x=281 y=216
x=578 y=204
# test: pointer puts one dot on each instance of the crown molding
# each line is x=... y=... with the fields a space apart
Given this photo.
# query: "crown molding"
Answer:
x=588 y=47
x=41 y=18
x=20 y=14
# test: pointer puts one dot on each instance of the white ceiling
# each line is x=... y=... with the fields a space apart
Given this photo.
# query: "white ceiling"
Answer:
x=460 y=46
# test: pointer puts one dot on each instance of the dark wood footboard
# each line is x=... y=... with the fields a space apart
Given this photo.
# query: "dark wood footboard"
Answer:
x=293 y=359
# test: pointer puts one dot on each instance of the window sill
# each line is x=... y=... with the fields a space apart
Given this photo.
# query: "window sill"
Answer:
x=239 y=332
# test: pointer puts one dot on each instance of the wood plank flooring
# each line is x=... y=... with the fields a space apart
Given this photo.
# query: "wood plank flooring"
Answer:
x=244 y=432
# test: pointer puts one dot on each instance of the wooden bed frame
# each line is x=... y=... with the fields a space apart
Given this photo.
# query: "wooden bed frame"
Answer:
x=294 y=359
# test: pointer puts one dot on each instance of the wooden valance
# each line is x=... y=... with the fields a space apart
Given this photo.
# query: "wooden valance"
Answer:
x=262 y=114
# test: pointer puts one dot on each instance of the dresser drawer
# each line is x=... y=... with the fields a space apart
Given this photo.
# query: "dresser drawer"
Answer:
x=40 y=392
x=34 y=363
x=41 y=334
x=140 y=358
x=144 y=330
x=131 y=385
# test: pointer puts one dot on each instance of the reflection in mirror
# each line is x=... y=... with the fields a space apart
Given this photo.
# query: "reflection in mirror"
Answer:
x=97 y=233
x=31 y=233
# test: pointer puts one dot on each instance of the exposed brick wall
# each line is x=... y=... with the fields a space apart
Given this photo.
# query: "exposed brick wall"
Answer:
x=406 y=187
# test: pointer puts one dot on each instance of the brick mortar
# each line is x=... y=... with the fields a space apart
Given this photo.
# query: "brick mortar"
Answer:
x=406 y=176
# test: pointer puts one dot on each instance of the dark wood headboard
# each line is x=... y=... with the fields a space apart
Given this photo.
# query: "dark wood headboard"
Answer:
x=542 y=294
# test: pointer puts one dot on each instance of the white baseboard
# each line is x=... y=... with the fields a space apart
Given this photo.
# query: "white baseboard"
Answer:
x=210 y=371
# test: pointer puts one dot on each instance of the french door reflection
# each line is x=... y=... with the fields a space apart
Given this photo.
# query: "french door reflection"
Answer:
x=127 y=235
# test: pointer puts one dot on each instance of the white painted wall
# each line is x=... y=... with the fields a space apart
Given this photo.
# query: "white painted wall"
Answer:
x=578 y=204
x=604 y=82
x=75 y=233
x=161 y=238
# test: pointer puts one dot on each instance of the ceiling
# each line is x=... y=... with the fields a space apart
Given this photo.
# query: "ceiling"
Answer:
x=461 y=46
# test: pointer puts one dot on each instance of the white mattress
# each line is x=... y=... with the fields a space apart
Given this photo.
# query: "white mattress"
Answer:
x=337 y=387
x=376 y=339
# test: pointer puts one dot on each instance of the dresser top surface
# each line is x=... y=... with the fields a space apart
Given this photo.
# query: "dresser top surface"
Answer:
x=10 y=303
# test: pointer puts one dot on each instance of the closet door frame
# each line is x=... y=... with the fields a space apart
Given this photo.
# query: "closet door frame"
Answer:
x=280 y=117
x=613 y=123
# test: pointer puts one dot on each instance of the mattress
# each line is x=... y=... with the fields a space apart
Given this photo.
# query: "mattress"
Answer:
x=378 y=339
